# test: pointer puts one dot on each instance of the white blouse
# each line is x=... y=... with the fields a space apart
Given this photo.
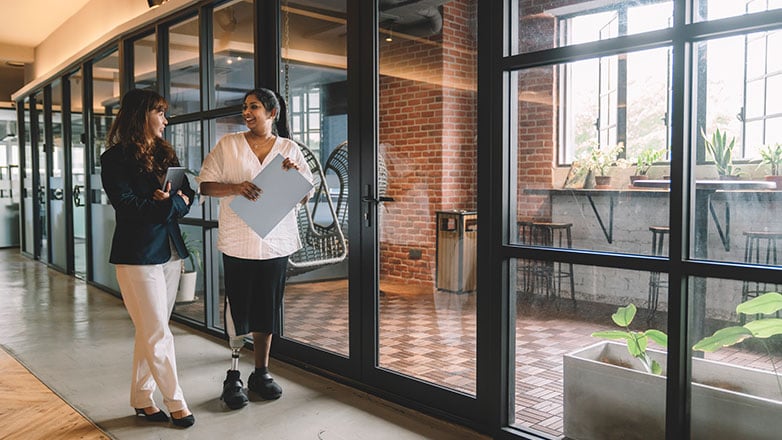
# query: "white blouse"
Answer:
x=233 y=161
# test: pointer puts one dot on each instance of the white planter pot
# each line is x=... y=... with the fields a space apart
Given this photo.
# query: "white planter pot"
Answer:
x=187 y=287
x=603 y=401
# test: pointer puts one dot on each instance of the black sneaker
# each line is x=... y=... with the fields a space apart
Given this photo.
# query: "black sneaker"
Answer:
x=264 y=385
x=233 y=395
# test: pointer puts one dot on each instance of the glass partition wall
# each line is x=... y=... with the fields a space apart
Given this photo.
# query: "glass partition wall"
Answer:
x=641 y=150
x=507 y=331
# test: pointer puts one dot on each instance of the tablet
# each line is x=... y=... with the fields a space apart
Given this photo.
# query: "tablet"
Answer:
x=175 y=175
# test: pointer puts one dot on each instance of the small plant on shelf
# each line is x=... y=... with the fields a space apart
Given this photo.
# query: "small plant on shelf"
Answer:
x=636 y=341
x=721 y=151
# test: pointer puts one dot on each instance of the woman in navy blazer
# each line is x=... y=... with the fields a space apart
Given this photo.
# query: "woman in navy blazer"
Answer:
x=147 y=246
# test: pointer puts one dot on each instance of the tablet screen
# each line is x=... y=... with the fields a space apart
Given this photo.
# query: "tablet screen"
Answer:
x=175 y=175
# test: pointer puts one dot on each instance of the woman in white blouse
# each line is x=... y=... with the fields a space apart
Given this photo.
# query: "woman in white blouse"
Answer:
x=254 y=267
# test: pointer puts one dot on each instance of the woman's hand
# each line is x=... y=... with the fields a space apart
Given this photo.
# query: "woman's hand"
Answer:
x=159 y=194
x=248 y=190
x=184 y=197
x=288 y=164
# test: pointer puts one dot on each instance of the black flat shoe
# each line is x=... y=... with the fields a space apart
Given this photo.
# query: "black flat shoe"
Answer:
x=159 y=416
x=184 y=422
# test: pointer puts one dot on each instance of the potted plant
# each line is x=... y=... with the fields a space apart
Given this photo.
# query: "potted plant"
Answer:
x=722 y=152
x=644 y=162
x=596 y=161
x=603 y=381
x=772 y=156
x=189 y=275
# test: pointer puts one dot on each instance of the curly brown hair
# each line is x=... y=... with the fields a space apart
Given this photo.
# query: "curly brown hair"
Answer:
x=131 y=131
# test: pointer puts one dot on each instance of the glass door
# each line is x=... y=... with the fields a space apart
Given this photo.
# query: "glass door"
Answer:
x=78 y=172
x=56 y=179
x=41 y=242
x=426 y=201
x=28 y=184
x=105 y=92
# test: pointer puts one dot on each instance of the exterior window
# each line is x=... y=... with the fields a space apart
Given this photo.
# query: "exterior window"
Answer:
x=607 y=101
x=305 y=117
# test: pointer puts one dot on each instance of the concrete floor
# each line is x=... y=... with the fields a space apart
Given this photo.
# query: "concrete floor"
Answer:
x=78 y=340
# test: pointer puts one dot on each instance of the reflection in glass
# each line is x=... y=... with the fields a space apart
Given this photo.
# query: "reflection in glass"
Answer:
x=233 y=52
x=546 y=25
x=183 y=67
x=561 y=370
x=428 y=230
x=9 y=179
x=737 y=378
x=28 y=219
x=43 y=181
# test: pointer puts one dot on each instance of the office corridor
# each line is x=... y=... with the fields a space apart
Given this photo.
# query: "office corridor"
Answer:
x=78 y=341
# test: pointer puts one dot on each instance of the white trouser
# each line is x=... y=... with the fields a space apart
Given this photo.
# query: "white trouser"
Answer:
x=149 y=292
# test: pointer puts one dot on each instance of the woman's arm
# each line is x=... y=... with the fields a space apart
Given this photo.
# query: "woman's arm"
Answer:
x=216 y=189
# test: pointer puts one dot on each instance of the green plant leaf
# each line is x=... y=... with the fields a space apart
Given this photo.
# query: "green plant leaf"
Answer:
x=656 y=368
x=657 y=336
x=723 y=338
x=624 y=315
x=765 y=328
x=768 y=303
x=612 y=334
x=636 y=344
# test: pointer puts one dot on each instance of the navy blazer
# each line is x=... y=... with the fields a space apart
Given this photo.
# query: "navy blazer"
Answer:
x=144 y=226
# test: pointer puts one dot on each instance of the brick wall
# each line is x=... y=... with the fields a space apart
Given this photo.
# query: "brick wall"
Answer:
x=428 y=136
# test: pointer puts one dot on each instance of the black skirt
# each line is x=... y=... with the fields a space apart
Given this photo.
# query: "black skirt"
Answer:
x=253 y=294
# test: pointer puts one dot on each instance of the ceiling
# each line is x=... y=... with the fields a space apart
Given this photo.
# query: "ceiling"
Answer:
x=29 y=22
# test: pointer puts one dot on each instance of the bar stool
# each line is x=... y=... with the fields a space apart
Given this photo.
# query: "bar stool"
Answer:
x=552 y=273
x=527 y=267
x=760 y=248
x=655 y=283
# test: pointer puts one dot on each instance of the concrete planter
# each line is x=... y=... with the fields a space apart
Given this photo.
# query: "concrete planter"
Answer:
x=603 y=401
x=187 y=287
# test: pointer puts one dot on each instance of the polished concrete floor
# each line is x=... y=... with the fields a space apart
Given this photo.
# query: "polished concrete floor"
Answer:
x=78 y=341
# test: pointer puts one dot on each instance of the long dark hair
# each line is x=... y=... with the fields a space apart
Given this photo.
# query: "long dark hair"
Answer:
x=130 y=130
x=273 y=100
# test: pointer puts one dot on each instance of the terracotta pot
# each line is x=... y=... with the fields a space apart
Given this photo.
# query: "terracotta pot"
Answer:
x=602 y=182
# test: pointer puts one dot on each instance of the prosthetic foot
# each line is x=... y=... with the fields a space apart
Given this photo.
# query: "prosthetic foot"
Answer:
x=234 y=395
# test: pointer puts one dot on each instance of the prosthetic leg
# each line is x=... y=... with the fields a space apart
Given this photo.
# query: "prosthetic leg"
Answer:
x=234 y=395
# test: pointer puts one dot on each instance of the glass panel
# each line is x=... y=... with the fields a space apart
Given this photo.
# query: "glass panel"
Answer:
x=190 y=297
x=28 y=188
x=186 y=140
x=736 y=379
x=233 y=52
x=43 y=181
x=548 y=24
x=106 y=99
x=716 y=9
x=428 y=229
x=727 y=211
x=79 y=171
x=9 y=179
x=56 y=180
x=183 y=64
x=145 y=63
x=314 y=82
x=562 y=368
x=557 y=114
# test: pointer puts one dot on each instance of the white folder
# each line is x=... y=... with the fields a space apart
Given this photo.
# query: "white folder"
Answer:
x=281 y=191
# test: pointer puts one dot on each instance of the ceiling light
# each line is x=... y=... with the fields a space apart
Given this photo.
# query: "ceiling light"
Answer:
x=155 y=3
x=14 y=64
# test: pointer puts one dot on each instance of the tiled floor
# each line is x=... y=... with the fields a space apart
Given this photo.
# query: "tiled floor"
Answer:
x=430 y=335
